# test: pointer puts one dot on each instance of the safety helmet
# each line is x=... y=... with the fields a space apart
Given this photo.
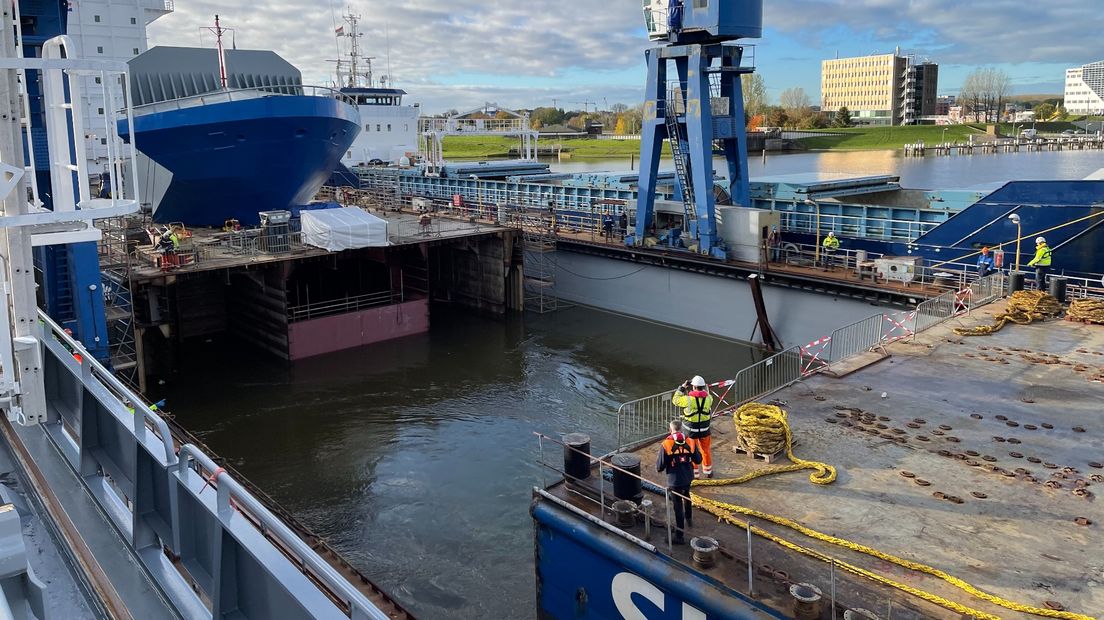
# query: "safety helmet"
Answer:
x=678 y=437
x=697 y=382
x=831 y=233
x=1039 y=240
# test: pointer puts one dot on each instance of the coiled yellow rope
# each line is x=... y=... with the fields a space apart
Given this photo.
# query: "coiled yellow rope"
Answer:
x=764 y=424
x=1023 y=307
x=1091 y=310
x=764 y=429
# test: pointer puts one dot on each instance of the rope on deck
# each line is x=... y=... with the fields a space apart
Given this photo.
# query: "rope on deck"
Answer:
x=765 y=424
x=1024 y=307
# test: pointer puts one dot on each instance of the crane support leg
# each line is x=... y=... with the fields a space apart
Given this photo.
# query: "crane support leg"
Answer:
x=702 y=109
x=652 y=133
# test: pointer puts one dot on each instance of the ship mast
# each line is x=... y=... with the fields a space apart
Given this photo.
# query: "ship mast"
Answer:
x=354 y=34
x=219 y=31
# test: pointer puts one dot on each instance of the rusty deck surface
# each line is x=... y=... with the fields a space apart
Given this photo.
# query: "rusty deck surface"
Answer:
x=1012 y=424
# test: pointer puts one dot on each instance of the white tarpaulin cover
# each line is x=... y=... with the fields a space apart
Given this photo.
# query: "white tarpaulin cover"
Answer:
x=343 y=229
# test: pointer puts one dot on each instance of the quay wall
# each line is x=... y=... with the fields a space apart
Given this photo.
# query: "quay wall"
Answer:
x=699 y=302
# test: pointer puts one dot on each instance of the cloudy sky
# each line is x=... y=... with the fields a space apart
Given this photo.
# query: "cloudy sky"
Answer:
x=461 y=53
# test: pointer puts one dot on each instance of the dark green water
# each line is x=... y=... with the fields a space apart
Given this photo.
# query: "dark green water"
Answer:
x=416 y=458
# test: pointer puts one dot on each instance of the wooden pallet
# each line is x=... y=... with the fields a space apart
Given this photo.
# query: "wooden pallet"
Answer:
x=739 y=447
x=1085 y=321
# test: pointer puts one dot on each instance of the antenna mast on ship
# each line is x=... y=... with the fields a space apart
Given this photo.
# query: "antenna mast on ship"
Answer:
x=219 y=31
x=354 y=35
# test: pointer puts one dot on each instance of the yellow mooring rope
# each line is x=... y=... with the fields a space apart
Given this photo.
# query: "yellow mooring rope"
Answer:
x=765 y=426
x=1024 y=307
x=1090 y=310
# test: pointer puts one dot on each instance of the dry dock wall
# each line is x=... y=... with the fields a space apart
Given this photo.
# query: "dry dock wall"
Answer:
x=709 y=304
x=355 y=329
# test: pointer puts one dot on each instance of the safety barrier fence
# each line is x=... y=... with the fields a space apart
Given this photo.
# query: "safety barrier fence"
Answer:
x=644 y=419
x=317 y=310
x=231 y=553
x=653 y=520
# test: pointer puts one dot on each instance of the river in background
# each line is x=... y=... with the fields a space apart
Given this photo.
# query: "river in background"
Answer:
x=931 y=172
x=416 y=458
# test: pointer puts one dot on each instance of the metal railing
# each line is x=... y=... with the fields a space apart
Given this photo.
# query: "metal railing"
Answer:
x=768 y=375
x=740 y=545
x=317 y=310
x=254 y=241
x=160 y=505
x=242 y=94
x=645 y=418
x=856 y=338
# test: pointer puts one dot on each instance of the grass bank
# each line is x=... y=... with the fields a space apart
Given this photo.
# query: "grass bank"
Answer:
x=874 y=138
x=476 y=147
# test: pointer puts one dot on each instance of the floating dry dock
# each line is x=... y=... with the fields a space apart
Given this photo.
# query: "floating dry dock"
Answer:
x=983 y=460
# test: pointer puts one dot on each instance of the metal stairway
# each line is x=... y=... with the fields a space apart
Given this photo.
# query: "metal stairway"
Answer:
x=674 y=136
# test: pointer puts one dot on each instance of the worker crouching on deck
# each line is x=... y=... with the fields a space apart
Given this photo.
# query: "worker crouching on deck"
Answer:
x=679 y=457
x=697 y=405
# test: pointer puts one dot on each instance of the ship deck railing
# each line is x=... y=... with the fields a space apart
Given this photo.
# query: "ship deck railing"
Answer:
x=345 y=305
x=243 y=94
x=752 y=559
x=155 y=492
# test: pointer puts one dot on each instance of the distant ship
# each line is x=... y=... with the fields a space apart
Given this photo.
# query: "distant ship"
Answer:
x=389 y=129
x=228 y=133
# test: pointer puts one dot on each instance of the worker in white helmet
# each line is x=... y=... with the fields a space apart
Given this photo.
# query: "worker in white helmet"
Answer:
x=1041 y=262
x=697 y=406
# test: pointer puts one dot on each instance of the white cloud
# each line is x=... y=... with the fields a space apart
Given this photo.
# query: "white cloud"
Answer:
x=430 y=41
x=460 y=53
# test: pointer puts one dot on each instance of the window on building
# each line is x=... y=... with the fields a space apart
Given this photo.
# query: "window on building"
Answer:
x=99 y=49
x=367 y=128
x=103 y=141
x=133 y=20
x=388 y=126
x=96 y=18
x=136 y=51
x=98 y=80
x=99 y=111
x=378 y=128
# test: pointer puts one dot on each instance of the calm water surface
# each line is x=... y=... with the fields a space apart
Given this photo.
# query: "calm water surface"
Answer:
x=416 y=458
x=932 y=172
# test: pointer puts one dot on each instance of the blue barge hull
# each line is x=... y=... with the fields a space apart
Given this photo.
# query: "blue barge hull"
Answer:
x=236 y=158
x=612 y=578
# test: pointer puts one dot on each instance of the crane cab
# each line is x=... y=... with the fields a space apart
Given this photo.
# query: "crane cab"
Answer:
x=703 y=21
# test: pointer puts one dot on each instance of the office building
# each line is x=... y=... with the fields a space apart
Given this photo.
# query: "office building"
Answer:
x=882 y=89
x=1085 y=89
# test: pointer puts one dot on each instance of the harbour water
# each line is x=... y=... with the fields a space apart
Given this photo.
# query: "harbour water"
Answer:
x=416 y=458
x=931 y=172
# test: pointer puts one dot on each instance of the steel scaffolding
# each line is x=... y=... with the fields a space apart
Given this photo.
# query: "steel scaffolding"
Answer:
x=115 y=263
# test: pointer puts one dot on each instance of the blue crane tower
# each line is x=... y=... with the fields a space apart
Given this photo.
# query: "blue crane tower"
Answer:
x=703 y=106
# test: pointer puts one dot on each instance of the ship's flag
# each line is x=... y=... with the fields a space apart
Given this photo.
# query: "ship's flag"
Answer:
x=340 y=31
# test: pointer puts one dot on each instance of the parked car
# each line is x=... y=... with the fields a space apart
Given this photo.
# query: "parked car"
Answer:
x=1068 y=132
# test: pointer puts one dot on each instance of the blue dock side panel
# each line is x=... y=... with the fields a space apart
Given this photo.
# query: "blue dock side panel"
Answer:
x=1070 y=214
x=587 y=573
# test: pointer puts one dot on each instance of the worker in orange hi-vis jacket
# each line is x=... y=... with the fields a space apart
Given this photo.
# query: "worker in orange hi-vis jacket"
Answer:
x=697 y=405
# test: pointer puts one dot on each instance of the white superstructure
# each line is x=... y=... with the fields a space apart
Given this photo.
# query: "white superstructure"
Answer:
x=389 y=129
x=1085 y=89
x=108 y=30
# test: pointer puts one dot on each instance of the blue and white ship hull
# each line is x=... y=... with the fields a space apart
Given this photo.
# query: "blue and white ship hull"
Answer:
x=238 y=157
